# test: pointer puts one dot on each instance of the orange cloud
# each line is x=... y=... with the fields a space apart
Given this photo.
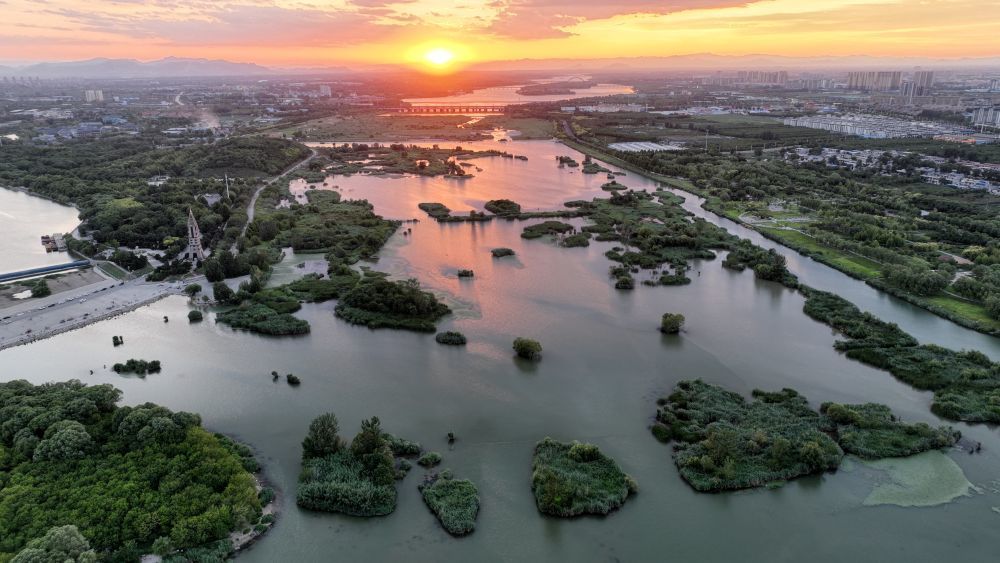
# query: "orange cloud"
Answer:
x=280 y=32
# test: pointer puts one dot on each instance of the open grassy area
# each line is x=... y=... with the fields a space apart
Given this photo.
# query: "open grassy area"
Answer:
x=966 y=309
x=113 y=270
x=856 y=266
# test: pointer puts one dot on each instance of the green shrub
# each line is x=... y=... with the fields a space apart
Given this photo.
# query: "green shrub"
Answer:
x=527 y=348
x=671 y=323
x=451 y=337
x=195 y=316
x=429 y=459
x=140 y=367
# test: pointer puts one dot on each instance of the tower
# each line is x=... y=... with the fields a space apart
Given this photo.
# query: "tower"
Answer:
x=194 y=251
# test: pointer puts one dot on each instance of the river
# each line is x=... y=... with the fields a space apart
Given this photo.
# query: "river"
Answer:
x=23 y=220
x=507 y=95
x=604 y=366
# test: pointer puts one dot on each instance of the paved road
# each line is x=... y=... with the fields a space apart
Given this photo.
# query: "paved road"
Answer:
x=41 y=318
x=253 y=199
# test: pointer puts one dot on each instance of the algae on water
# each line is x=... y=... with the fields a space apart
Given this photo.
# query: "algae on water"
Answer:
x=926 y=479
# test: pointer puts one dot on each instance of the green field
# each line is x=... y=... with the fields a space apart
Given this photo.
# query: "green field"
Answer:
x=854 y=265
x=966 y=309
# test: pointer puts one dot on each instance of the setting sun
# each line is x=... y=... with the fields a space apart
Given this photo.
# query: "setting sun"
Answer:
x=439 y=56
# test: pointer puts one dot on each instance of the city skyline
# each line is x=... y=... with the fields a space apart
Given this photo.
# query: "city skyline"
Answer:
x=284 y=33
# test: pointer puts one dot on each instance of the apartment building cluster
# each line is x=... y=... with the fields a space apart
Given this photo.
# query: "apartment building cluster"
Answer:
x=876 y=126
x=874 y=159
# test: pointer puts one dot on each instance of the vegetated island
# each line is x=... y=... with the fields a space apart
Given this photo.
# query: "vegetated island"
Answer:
x=68 y=453
x=138 y=367
x=377 y=302
x=451 y=338
x=570 y=479
x=722 y=442
x=455 y=502
x=442 y=214
x=357 y=478
x=966 y=384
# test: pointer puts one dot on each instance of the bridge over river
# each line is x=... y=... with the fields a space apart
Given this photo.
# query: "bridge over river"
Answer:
x=451 y=109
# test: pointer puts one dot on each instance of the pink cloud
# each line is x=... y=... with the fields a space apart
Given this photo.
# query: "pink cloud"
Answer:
x=535 y=19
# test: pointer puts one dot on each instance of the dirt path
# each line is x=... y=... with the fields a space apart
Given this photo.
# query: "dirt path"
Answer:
x=253 y=199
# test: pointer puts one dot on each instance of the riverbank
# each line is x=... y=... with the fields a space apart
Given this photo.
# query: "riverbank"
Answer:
x=945 y=307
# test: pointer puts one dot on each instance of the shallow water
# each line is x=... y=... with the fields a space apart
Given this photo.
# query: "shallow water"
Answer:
x=23 y=220
x=604 y=366
x=506 y=95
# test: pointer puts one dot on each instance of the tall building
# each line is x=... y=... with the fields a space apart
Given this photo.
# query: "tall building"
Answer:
x=325 y=91
x=923 y=80
x=194 y=250
x=93 y=95
x=763 y=78
x=987 y=116
x=881 y=81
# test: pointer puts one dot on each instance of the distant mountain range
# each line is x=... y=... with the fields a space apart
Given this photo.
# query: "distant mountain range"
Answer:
x=173 y=67
x=131 y=68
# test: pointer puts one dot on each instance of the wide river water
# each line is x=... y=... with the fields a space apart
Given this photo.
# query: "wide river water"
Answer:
x=23 y=220
x=604 y=366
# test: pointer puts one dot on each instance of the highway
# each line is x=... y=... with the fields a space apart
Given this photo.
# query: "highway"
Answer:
x=40 y=318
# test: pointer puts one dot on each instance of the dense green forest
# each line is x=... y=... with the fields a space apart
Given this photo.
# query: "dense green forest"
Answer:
x=126 y=477
x=724 y=442
x=108 y=180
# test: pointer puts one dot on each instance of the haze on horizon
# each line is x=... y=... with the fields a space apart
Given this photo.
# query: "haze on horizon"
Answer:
x=322 y=33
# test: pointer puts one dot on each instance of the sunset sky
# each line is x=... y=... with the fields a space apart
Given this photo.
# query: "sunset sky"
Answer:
x=312 y=32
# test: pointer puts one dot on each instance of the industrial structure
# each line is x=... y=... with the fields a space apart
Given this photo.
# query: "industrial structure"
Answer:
x=194 y=250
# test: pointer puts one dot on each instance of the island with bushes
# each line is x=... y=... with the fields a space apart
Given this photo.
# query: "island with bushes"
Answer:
x=722 y=442
x=571 y=479
x=455 y=502
x=356 y=478
x=138 y=367
x=544 y=228
x=527 y=348
x=69 y=453
x=377 y=302
x=451 y=338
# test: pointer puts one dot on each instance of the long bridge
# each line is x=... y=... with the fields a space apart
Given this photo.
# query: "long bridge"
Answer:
x=44 y=270
x=459 y=109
